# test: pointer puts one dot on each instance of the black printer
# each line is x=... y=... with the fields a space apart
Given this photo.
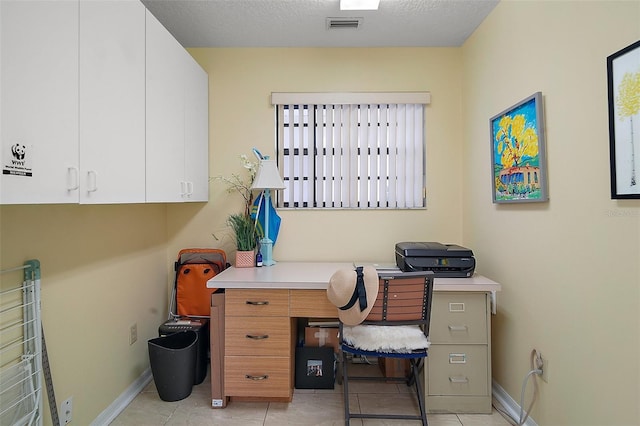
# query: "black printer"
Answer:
x=445 y=260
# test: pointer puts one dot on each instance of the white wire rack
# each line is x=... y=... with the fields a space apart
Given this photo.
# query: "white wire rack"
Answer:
x=20 y=346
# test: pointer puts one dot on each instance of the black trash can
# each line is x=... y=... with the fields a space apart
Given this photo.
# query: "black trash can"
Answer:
x=173 y=364
x=200 y=326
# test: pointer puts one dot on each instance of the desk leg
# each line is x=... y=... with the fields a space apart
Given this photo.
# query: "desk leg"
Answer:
x=218 y=398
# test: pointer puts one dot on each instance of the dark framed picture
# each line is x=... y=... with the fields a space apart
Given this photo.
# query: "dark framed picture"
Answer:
x=623 y=79
x=518 y=160
x=315 y=367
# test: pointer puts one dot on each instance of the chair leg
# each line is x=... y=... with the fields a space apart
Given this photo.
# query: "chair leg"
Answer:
x=421 y=404
x=339 y=361
x=345 y=389
x=412 y=379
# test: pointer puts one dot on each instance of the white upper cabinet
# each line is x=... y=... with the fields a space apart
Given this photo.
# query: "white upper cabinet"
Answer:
x=99 y=104
x=112 y=101
x=177 y=120
x=196 y=131
x=165 y=116
x=38 y=102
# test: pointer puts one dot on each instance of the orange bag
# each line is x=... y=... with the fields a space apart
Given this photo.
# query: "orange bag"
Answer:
x=194 y=268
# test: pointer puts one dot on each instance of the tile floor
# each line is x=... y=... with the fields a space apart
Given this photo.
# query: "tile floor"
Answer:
x=309 y=407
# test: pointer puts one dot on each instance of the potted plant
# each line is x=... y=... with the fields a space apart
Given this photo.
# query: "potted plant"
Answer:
x=244 y=232
x=242 y=226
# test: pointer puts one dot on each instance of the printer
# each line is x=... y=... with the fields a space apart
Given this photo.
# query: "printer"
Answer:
x=445 y=260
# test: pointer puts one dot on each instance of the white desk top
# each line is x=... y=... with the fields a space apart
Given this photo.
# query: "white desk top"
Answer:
x=316 y=275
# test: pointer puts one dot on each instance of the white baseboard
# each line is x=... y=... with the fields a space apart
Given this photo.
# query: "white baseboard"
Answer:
x=509 y=404
x=117 y=406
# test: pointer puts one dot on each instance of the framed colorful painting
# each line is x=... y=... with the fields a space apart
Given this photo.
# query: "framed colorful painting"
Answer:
x=623 y=78
x=519 y=173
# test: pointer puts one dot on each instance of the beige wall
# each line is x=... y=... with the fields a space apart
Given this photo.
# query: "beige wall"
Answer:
x=104 y=268
x=574 y=292
x=241 y=117
x=573 y=295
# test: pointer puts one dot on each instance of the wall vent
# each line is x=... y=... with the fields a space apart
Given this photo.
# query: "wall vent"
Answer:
x=351 y=23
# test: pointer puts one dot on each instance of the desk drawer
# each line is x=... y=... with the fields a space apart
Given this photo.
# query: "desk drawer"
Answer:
x=258 y=336
x=241 y=302
x=461 y=370
x=257 y=376
x=459 y=318
x=311 y=304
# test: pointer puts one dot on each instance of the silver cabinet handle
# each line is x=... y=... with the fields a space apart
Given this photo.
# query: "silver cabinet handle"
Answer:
x=458 y=328
x=256 y=337
x=186 y=189
x=72 y=176
x=250 y=377
x=92 y=181
x=257 y=303
x=458 y=380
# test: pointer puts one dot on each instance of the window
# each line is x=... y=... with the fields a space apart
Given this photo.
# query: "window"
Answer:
x=351 y=150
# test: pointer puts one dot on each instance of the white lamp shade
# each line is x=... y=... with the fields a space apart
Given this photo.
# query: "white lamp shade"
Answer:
x=268 y=176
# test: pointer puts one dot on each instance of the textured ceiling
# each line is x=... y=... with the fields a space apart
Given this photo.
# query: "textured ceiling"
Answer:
x=303 y=23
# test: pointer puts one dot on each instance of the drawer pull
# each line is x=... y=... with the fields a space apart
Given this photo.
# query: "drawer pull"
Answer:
x=92 y=181
x=72 y=179
x=457 y=358
x=458 y=380
x=458 y=328
x=256 y=337
x=456 y=307
x=250 y=377
x=257 y=303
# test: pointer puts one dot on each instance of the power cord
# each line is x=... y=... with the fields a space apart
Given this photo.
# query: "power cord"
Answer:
x=536 y=369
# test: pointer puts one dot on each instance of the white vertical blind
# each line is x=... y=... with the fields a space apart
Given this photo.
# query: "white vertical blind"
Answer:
x=352 y=155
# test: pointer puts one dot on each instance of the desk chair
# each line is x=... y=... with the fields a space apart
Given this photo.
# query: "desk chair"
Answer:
x=396 y=327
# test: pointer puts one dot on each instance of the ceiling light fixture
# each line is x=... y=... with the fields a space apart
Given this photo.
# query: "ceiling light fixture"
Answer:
x=359 y=4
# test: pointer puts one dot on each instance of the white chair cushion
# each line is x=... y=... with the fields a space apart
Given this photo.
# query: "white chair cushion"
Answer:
x=381 y=338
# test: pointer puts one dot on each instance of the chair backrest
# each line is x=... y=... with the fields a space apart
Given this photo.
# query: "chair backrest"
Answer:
x=403 y=298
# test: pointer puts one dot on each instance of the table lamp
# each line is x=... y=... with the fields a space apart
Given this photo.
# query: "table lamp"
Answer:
x=267 y=178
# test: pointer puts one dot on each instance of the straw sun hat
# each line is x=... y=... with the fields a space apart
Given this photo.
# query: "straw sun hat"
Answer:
x=353 y=291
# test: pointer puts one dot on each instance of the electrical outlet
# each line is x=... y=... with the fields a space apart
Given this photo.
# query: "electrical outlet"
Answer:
x=66 y=411
x=541 y=363
x=133 y=333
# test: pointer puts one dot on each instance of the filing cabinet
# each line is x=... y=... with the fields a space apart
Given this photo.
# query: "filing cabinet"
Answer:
x=457 y=375
x=258 y=345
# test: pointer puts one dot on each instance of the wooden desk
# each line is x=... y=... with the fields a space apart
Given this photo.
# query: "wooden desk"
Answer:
x=261 y=305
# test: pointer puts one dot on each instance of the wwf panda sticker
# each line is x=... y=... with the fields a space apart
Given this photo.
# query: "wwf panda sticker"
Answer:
x=17 y=159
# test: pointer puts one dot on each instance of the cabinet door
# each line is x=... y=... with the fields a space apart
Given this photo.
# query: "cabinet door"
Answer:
x=257 y=302
x=257 y=376
x=459 y=317
x=112 y=101
x=250 y=336
x=461 y=370
x=196 y=115
x=164 y=115
x=39 y=102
